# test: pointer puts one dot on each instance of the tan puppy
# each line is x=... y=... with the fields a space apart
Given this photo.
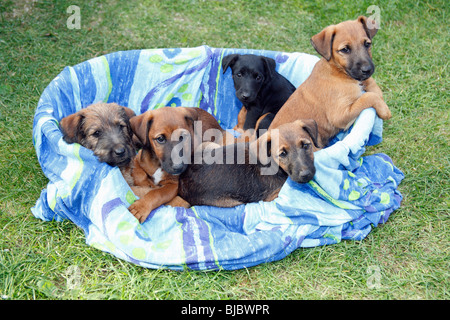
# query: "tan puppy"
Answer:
x=333 y=94
x=167 y=136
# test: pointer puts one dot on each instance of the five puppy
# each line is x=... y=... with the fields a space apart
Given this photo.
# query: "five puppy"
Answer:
x=338 y=89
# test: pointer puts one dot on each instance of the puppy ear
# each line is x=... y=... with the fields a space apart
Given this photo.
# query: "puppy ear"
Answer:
x=229 y=61
x=190 y=112
x=323 y=41
x=310 y=126
x=370 y=26
x=129 y=112
x=71 y=127
x=270 y=65
x=141 y=126
x=190 y=122
x=261 y=148
x=190 y=116
x=264 y=122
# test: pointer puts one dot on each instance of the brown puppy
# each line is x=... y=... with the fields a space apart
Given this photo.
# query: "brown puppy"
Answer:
x=168 y=139
x=333 y=94
x=103 y=128
x=249 y=172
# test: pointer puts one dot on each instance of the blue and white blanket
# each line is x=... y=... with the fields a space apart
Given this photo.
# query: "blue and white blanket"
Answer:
x=349 y=195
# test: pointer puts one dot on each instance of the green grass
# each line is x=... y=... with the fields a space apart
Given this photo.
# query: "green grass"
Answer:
x=410 y=251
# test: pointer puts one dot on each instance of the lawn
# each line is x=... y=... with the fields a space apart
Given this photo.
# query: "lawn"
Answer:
x=405 y=258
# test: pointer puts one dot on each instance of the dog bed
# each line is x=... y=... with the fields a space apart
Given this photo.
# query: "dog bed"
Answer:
x=349 y=195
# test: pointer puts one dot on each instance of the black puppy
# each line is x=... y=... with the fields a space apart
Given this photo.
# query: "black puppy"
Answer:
x=259 y=87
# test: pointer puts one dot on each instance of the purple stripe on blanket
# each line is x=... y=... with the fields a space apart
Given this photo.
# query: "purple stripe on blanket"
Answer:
x=168 y=82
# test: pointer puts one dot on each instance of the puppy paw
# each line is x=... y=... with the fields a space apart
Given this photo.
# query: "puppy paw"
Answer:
x=139 y=210
x=383 y=111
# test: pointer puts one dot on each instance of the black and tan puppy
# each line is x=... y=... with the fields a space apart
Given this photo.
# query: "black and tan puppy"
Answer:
x=259 y=87
x=249 y=172
x=340 y=85
x=103 y=128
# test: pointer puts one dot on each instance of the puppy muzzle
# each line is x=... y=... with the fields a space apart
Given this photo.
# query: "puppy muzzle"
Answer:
x=245 y=96
x=303 y=176
x=175 y=169
x=362 y=70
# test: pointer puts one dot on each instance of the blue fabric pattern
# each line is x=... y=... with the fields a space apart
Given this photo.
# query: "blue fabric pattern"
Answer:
x=350 y=193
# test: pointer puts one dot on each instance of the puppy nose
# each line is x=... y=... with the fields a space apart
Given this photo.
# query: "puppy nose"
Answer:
x=366 y=69
x=306 y=174
x=245 y=96
x=177 y=168
x=119 y=151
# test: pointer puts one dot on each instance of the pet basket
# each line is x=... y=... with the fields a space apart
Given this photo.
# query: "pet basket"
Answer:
x=350 y=193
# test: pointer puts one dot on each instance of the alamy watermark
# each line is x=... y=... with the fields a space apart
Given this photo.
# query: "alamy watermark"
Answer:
x=72 y=288
x=73 y=277
x=374 y=20
x=374 y=279
x=74 y=20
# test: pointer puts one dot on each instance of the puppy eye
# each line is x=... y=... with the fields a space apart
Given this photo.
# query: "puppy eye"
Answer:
x=160 y=139
x=306 y=146
x=283 y=154
x=239 y=75
x=367 y=44
x=258 y=78
x=345 y=50
x=97 y=134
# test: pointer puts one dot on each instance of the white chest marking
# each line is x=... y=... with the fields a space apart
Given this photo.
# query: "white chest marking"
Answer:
x=157 y=176
x=361 y=87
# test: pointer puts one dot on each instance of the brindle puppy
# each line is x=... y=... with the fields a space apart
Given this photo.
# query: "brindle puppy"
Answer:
x=103 y=128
